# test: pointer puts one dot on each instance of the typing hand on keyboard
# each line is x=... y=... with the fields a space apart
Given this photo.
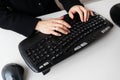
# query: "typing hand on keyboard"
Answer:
x=55 y=26
x=83 y=12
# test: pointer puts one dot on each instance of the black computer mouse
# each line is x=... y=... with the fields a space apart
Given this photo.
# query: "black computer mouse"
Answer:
x=115 y=13
x=12 y=71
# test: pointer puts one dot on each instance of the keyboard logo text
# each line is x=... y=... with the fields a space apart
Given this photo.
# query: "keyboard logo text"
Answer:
x=80 y=46
x=105 y=30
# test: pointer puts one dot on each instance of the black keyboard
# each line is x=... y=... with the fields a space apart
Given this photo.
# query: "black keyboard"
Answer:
x=41 y=51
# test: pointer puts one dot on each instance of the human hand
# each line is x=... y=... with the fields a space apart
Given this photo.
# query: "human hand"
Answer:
x=54 y=26
x=82 y=11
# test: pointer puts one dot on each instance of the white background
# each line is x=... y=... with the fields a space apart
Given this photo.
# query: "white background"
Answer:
x=99 y=61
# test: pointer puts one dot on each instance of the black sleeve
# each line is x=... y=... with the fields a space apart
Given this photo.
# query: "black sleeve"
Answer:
x=19 y=23
x=69 y=3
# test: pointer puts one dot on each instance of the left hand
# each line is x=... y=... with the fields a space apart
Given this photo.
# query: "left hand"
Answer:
x=82 y=11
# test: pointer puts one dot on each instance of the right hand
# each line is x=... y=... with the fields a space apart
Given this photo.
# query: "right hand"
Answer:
x=54 y=26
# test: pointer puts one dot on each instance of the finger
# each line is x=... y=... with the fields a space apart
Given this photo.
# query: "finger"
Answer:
x=91 y=13
x=71 y=14
x=61 y=30
x=85 y=11
x=88 y=15
x=55 y=33
x=61 y=26
x=63 y=23
x=80 y=12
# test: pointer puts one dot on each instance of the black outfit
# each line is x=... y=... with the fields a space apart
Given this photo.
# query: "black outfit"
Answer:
x=20 y=15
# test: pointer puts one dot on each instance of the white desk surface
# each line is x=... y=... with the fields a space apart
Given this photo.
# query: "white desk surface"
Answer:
x=99 y=61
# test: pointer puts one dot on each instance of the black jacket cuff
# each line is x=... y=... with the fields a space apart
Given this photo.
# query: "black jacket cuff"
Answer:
x=69 y=3
x=26 y=27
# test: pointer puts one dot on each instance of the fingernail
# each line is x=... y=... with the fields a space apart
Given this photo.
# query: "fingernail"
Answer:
x=69 y=26
x=59 y=34
x=66 y=32
x=82 y=20
x=87 y=19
